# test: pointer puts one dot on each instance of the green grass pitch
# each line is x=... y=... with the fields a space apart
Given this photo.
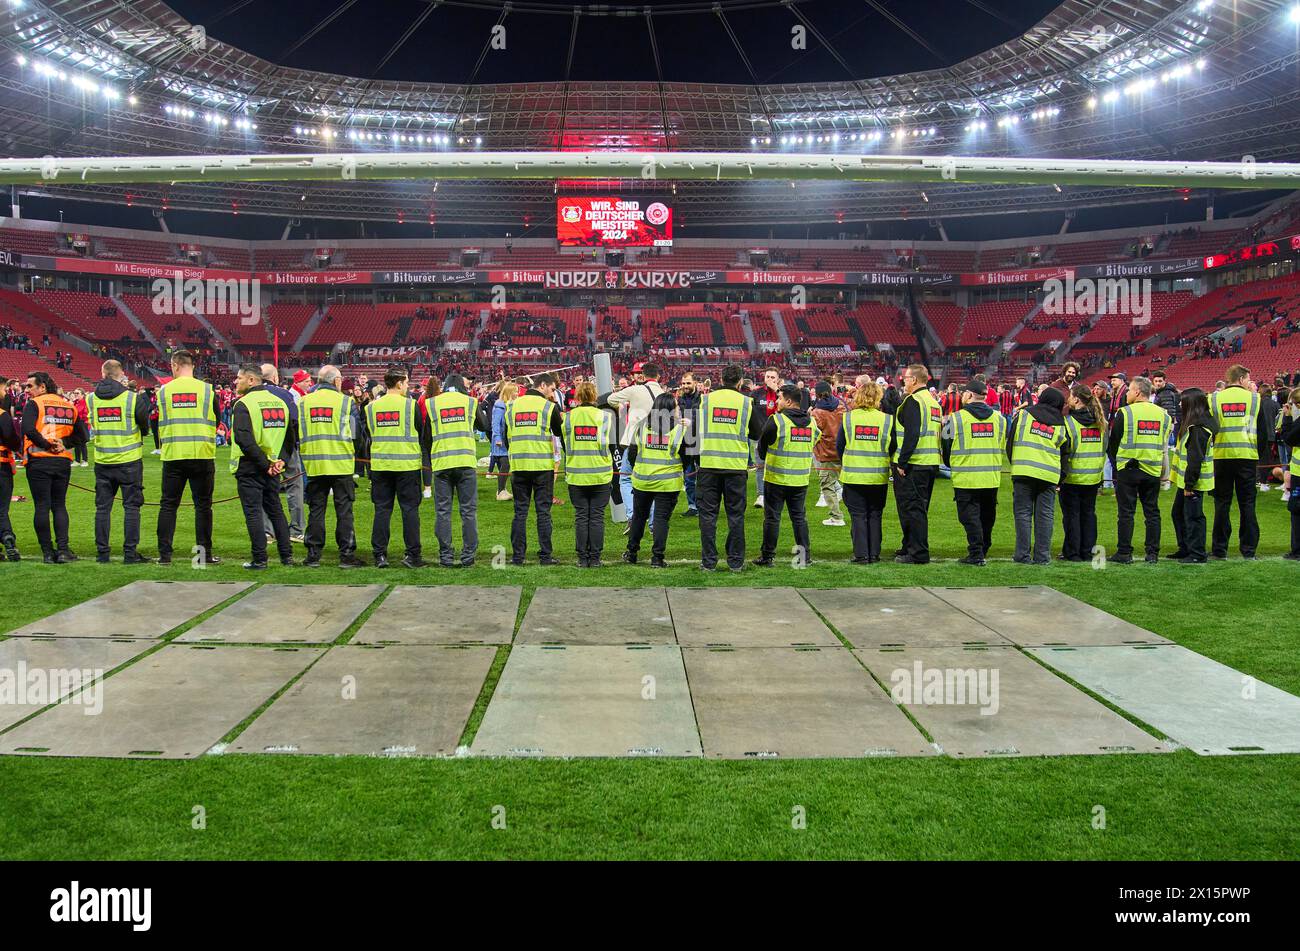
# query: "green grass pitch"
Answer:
x=1177 y=806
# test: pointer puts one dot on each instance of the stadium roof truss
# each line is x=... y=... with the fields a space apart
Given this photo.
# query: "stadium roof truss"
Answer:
x=1125 y=80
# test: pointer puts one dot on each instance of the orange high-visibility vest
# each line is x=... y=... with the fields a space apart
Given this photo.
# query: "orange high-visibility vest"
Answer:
x=56 y=418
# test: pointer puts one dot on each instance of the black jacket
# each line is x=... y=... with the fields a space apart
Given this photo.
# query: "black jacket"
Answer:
x=767 y=438
x=907 y=430
x=1198 y=442
x=252 y=459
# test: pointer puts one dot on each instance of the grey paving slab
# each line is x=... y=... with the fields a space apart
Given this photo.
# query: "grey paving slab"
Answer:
x=38 y=671
x=287 y=614
x=746 y=617
x=898 y=617
x=174 y=704
x=443 y=614
x=598 y=616
x=590 y=701
x=1204 y=705
x=141 y=609
x=998 y=702
x=793 y=702
x=378 y=701
x=1039 y=616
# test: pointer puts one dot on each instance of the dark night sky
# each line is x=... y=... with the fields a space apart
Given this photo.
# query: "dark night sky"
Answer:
x=693 y=47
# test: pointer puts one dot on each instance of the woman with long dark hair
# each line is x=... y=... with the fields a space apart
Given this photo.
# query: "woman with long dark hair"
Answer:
x=657 y=478
x=1192 y=474
x=1085 y=428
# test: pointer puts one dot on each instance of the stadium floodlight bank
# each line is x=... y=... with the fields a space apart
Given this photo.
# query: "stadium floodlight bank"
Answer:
x=650 y=166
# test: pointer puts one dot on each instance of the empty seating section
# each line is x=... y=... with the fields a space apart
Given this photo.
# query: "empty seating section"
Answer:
x=1090 y=252
x=883 y=322
x=465 y=325
x=1194 y=245
x=692 y=258
x=688 y=326
x=290 y=320
x=396 y=258
x=134 y=249
x=28 y=241
x=270 y=259
x=946 y=319
x=763 y=326
x=539 y=258
x=955 y=261
x=817 y=327
x=235 y=259
x=989 y=322
x=1119 y=322
x=80 y=309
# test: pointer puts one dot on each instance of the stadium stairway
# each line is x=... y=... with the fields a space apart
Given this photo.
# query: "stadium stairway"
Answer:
x=140 y=325
x=309 y=330
x=781 y=333
x=751 y=342
x=1010 y=336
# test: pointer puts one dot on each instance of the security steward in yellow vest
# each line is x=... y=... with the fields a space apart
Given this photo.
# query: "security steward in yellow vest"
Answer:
x=1139 y=441
x=726 y=422
x=1038 y=450
x=10 y=442
x=532 y=419
x=658 y=478
x=119 y=421
x=51 y=430
x=916 y=463
x=864 y=440
x=786 y=447
x=262 y=441
x=453 y=418
x=1191 y=471
x=327 y=421
x=588 y=471
x=1085 y=468
x=398 y=436
x=972 y=443
x=1239 y=444
x=187 y=431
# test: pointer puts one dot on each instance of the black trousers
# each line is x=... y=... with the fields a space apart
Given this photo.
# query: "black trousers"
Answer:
x=200 y=475
x=775 y=498
x=716 y=489
x=48 y=480
x=663 y=504
x=317 y=497
x=536 y=488
x=1293 y=506
x=6 y=494
x=1239 y=477
x=259 y=494
x=866 y=505
x=912 y=496
x=589 y=503
x=977 y=510
x=404 y=487
x=1132 y=485
x=128 y=478
x=1189 y=523
x=1079 y=516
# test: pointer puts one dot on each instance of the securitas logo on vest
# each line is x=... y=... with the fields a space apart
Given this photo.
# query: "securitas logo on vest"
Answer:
x=654 y=441
x=274 y=418
x=525 y=419
x=1090 y=435
x=108 y=414
x=936 y=414
x=1148 y=427
x=95 y=905
x=185 y=400
x=390 y=418
x=801 y=434
x=452 y=414
x=1042 y=429
x=981 y=430
x=322 y=414
x=585 y=433
x=866 y=432
x=1234 y=409
x=60 y=415
x=723 y=415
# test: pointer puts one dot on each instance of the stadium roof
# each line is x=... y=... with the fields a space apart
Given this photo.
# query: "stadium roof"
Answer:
x=1135 y=79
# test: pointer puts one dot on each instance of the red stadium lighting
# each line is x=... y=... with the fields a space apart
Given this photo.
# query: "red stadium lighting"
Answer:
x=130 y=199
x=234 y=207
x=401 y=217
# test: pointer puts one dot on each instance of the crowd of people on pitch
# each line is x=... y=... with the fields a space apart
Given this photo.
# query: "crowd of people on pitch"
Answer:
x=635 y=450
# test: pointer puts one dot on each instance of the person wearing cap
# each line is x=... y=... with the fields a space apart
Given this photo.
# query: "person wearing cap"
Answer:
x=973 y=439
x=786 y=445
x=454 y=416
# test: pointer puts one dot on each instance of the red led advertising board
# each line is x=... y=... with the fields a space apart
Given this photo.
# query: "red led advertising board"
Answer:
x=613 y=222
